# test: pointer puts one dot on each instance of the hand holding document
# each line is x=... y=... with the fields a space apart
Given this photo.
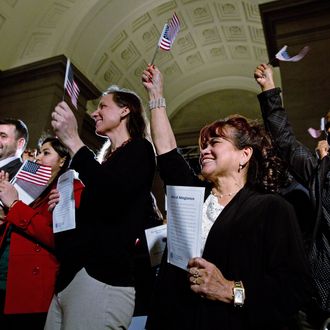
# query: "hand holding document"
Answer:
x=184 y=224
x=64 y=211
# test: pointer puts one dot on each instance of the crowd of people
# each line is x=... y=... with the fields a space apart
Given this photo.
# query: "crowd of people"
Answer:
x=265 y=254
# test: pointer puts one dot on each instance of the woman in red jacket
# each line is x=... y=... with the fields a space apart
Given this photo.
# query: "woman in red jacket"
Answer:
x=28 y=266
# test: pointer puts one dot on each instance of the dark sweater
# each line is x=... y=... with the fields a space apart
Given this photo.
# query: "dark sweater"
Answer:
x=114 y=209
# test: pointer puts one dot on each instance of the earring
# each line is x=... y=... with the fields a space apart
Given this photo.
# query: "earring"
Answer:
x=240 y=167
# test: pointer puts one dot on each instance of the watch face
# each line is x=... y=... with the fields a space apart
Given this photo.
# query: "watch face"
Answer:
x=238 y=296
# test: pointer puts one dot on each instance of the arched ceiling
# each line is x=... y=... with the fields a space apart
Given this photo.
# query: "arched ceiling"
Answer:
x=208 y=73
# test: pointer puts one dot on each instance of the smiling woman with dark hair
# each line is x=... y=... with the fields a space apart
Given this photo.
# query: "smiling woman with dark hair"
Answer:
x=96 y=287
x=252 y=273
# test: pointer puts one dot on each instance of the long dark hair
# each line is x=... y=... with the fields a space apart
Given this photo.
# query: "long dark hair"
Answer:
x=62 y=151
x=266 y=171
x=59 y=148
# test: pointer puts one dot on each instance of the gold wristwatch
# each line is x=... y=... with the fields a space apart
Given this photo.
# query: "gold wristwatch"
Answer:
x=238 y=294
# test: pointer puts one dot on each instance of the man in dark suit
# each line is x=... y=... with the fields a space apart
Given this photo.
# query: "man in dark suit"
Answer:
x=13 y=140
x=14 y=136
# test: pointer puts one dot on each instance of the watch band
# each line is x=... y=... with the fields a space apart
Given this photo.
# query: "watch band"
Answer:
x=238 y=284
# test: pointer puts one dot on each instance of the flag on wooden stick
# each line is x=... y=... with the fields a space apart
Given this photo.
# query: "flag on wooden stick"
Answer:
x=70 y=85
x=168 y=35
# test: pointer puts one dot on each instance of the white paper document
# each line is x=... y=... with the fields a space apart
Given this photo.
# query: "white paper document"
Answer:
x=156 y=240
x=64 y=211
x=184 y=224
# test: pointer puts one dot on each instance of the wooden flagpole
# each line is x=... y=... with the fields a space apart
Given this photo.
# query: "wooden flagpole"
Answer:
x=153 y=58
x=66 y=76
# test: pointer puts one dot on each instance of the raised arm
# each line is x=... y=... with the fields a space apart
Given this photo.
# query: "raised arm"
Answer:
x=161 y=130
x=301 y=160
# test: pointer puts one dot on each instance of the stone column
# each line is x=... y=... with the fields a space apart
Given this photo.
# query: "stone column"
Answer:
x=30 y=92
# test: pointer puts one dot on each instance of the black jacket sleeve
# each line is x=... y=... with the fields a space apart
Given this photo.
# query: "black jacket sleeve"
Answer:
x=301 y=160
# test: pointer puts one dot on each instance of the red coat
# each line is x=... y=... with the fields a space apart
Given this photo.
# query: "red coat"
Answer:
x=32 y=269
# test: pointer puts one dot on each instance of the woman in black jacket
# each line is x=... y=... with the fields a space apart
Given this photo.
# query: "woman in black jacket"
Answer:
x=253 y=272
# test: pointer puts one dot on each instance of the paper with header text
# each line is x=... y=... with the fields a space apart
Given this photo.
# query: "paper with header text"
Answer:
x=184 y=224
x=64 y=211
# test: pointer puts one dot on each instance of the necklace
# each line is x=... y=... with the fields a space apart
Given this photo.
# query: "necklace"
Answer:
x=223 y=195
x=110 y=152
x=122 y=145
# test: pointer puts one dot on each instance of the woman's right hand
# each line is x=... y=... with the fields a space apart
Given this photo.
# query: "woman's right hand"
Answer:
x=54 y=198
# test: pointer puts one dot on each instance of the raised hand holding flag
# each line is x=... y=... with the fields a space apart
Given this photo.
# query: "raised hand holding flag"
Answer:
x=168 y=35
x=70 y=85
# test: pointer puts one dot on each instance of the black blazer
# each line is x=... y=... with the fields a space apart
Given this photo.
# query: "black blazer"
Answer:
x=12 y=167
x=255 y=239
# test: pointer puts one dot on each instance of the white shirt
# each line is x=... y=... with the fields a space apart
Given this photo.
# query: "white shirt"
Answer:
x=211 y=211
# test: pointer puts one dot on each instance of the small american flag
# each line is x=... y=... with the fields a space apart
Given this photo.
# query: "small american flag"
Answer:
x=34 y=173
x=70 y=85
x=283 y=55
x=169 y=33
